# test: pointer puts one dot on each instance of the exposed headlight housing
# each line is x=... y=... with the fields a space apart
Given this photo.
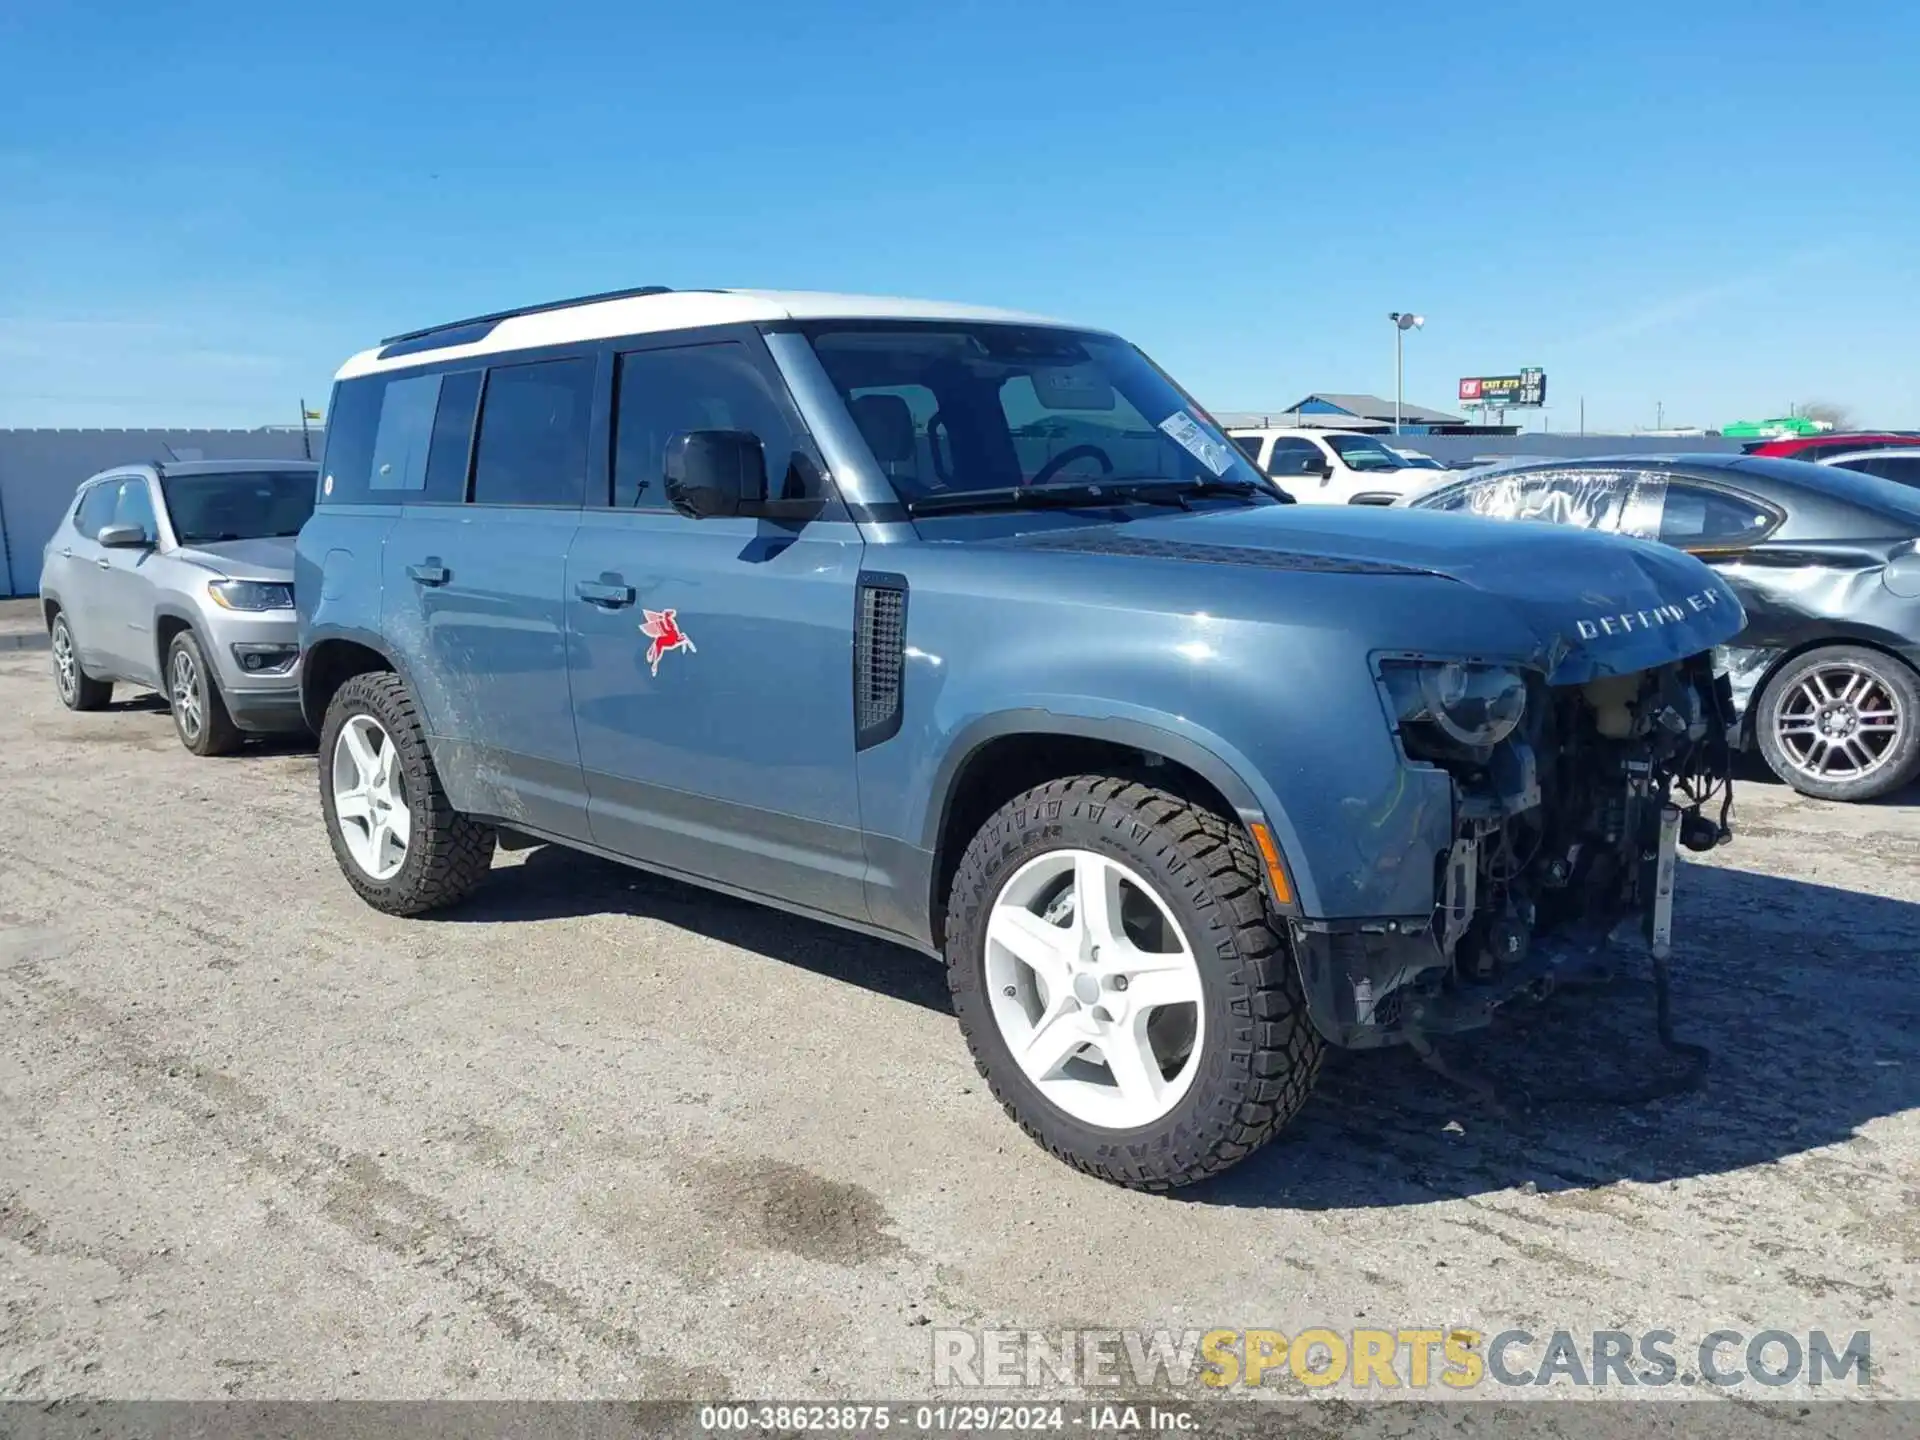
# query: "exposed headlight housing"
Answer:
x=250 y=595
x=1445 y=707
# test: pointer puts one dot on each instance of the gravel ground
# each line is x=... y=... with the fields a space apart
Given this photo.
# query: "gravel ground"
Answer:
x=599 y=1134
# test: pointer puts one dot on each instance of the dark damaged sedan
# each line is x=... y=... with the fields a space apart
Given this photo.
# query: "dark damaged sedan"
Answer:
x=1826 y=676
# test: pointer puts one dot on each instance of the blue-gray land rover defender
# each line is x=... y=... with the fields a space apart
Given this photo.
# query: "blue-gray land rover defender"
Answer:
x=972 y=630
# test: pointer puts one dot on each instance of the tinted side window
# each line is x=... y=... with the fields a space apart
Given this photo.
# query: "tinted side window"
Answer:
x=1249 y=446
x=96 y=508
x=452 y=442
x=1697 y=516
x=532 y=446
x=661 y=393
x=406 y=425
x=1903 y=468
x=353 y=416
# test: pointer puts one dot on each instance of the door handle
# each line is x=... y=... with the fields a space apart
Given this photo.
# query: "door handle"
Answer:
x=431 y=573
x=602 y=592
x=103 y=562
x=67 y=553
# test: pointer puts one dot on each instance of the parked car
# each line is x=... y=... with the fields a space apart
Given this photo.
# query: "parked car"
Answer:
x=1827 y=674
x=970 y=630
x=1899 y=463
x=178 y=577
x=1831 y=442
x=1329 y=467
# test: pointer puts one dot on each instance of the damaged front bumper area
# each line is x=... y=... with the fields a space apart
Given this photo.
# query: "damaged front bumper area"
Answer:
x=1565 y=835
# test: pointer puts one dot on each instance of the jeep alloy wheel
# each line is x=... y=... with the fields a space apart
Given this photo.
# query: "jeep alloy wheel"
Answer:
x=1094 y=988
x=1120 y=981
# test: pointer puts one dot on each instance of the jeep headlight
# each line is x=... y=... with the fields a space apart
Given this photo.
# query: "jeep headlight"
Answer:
x=1460 y=706
x=250 y=595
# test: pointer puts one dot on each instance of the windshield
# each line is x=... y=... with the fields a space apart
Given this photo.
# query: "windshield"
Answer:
x=238 y=505
x=1363 y=452
x=953 y=408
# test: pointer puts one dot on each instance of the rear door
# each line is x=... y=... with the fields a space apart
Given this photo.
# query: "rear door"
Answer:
x=76 y=571
x=490 y=467
x=712 y=660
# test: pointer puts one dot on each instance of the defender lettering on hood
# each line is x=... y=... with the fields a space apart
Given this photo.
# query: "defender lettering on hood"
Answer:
x=1626 y=622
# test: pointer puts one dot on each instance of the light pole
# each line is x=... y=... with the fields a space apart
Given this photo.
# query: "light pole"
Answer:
x=1403 y=321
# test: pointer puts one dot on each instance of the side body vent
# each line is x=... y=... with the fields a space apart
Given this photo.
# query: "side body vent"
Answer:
x=879 y=658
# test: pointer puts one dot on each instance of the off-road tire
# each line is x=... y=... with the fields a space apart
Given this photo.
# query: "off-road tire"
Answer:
x=448 y=854
x=1899 y=770
x=86 y=693
x=218 y=735
x=1265 y=1053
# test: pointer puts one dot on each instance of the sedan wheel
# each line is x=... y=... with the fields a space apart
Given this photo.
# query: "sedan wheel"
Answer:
x=369 y=798
x=1094 y=989
x=1842 y=723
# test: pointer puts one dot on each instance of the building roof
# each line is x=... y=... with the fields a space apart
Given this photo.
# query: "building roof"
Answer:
x=1373 y=407
x=598 y=318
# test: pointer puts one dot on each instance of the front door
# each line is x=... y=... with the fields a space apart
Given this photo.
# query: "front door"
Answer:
x=124 y=595
x=712 y=660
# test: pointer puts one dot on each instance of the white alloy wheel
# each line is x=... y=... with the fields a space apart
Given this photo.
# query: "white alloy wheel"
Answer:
x=1094 y=989
x=368 y=798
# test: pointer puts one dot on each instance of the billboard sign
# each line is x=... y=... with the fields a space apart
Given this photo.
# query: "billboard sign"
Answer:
x=1529 y=387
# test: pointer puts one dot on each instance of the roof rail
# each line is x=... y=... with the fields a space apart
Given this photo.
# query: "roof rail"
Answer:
x=497 y=316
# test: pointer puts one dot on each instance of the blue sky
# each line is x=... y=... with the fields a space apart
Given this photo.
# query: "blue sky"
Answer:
x=1707 y=206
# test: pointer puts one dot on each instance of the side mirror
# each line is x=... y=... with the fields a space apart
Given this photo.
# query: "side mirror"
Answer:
x=711 y=473
x=123 y=537
x=1302 y=463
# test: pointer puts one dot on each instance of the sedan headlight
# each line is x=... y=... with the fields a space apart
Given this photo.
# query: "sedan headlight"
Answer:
x=1460 y=706
x=250 y=595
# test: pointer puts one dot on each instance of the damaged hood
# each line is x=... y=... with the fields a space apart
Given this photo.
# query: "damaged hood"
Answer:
x=1596 y=604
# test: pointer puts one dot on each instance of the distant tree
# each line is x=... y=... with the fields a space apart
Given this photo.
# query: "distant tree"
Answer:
x=1838 y=416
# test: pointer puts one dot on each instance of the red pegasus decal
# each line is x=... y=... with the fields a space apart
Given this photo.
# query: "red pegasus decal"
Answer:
x=666 y=634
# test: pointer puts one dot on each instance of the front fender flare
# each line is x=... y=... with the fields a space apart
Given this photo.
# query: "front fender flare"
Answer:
x=1180 y=741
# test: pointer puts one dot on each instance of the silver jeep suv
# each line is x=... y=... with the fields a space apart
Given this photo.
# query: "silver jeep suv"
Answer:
x=179 y=577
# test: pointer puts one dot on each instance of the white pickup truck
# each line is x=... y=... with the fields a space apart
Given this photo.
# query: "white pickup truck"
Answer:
x=1331 y=467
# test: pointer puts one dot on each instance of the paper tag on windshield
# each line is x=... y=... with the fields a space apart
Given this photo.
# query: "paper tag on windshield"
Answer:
x=1187 y=434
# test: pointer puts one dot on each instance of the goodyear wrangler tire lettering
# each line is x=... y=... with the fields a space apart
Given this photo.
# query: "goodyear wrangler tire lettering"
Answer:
x=1254 y=1055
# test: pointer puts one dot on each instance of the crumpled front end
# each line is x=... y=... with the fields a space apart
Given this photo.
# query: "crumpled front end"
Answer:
x=1564 y=840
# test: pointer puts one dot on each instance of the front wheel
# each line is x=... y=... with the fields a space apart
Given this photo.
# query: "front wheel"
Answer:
x=1842 y=723
x=200 y=715
x=398 y=839
x=1116 y=977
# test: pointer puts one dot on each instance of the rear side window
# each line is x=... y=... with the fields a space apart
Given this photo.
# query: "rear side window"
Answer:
x=665 y=392
x=406 y=427
x=532 y=445
x=400 y=440
x=96 y=508
x=1699 y=518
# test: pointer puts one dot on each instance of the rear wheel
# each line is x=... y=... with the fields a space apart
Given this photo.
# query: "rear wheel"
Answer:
x=77 y=691
x=1842 y=723
x=398 y=839
x=1117 y=979
x=200 y=715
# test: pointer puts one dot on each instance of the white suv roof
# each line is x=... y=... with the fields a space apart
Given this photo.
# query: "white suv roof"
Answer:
x=652 y=310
